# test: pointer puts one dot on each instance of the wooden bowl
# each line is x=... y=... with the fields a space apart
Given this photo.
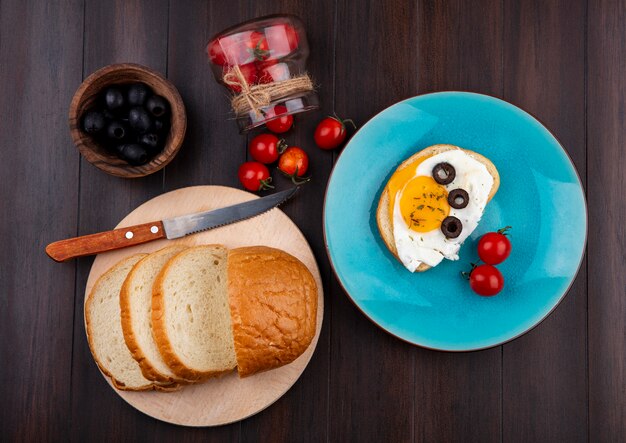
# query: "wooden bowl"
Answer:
x=117 y=74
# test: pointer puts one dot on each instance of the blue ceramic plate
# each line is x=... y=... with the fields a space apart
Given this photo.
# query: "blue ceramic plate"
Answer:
x=540 y=195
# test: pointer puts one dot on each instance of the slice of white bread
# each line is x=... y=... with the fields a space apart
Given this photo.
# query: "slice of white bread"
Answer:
x=385 y=224
x=136 y=313
x=104 y=330
x=190 y=314
x=273 y=304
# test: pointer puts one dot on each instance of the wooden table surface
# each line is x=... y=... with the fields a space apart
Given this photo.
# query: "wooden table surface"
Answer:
x=563 y=61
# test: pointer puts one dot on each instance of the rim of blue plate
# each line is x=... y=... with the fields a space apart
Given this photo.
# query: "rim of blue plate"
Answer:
x=565 y=292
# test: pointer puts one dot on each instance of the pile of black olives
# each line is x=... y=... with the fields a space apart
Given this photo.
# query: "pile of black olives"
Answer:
x=130 y=121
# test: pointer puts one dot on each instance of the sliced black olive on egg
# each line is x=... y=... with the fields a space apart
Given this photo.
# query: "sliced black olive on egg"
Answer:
x=458 y=198
x=451 y=227
x=444 y=173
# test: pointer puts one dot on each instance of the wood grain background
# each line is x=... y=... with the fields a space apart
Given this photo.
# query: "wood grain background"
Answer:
x=561 y=60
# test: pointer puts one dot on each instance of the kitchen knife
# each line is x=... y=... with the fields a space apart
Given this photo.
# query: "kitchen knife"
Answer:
x=169 y=228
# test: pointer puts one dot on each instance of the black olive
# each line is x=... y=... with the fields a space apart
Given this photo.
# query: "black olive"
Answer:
x=458 y=198
x=108 y=114
x=117 y=130
x=137 y=94
x=451 y=227
x=157 y=106
x=139 y=119
x=133 y=153
x=444 y=173
x=161 y=125
x=151 y=142
x=114 y=98
x=93 y=122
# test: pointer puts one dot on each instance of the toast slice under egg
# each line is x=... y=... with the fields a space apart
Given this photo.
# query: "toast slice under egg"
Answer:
x=385 y=224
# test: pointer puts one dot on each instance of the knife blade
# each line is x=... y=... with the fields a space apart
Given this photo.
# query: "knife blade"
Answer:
x=170 y=228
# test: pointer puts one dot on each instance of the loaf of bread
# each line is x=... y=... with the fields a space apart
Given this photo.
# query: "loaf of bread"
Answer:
x=185 y=314
x=385 y=224
x=104 y=330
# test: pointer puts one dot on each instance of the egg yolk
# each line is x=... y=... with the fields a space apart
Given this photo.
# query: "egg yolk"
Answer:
x=424 y=204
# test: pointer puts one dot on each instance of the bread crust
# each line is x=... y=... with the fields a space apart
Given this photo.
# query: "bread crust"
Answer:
x=273 y=305
x=159 y=327
x=88 y=326
x=148 y=371
x=385 y=226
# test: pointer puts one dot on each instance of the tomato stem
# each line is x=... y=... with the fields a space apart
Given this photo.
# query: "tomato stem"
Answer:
x=504 y=230
x=294 y=177
x=265 y=184
x=282 y=145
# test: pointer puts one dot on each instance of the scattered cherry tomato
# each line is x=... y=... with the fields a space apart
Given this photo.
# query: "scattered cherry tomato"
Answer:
x=257 y=46
x=280 y=124
x=486 y=280
x=494 y=247
x=331 y=132
x=265 y=148
x=249 y=73
x=255 y=176
x=216 y=53
x=294 y=163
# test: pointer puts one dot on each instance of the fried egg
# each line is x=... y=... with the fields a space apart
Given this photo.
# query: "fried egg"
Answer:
x=419 y=205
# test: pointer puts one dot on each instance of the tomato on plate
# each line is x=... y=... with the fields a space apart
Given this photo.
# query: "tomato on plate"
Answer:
x=254 y=176
x=486 y=280
x=294 y=163
x=265 y=148
x=494 y=247
x=331 y=132
x=249 y=73
x=280 y=124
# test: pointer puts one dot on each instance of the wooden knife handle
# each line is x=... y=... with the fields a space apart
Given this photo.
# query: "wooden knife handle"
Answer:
x=105 y=241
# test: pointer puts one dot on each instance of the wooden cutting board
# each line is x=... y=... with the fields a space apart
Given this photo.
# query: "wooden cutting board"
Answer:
x=229 y=398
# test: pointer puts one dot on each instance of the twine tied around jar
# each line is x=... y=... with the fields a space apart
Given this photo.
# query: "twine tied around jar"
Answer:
x=255 y=97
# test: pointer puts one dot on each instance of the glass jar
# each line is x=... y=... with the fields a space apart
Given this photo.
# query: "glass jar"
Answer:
x=262 y=63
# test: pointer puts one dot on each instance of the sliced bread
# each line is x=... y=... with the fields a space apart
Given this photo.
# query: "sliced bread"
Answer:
x=273 y=306
x=385 y=224
x=190 y=314
x=104 y=330
x=136 y=306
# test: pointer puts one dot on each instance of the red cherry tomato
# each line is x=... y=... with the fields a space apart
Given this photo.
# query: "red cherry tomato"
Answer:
x=254 y=176
x=272 y=71
x=294 y=163
x=280 y=124
x=282 y=39
x=494 y=247
x=331 y=132
x=249 y=73
x=258 y=46
x=486 y=280
x=265 y=148
x=216 y=53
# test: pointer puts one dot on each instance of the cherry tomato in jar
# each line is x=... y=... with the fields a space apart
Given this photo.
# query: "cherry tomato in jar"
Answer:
x=486 y=280
x=280 y=124
x=282 y=39
x=265 y=148
x=258 y=47
x=494 y=247
x=255 y=176
x=249 y=73
x=331 y=132
x=216 y=53
x=294 y=163
x=272 y=71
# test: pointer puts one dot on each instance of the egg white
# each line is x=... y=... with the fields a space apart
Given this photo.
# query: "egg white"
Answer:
x=415 y=248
